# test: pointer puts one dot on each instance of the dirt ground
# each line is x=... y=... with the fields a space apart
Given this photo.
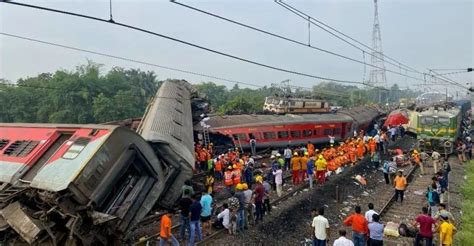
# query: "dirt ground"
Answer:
x=290 y=221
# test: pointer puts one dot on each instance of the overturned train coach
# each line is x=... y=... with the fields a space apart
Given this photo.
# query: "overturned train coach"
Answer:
x=291 y=129
x=92 y=184
x=74 y=183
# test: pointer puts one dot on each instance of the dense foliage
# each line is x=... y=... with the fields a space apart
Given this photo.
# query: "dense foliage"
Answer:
x=80 y=96
x=466 y=232
x=86 y=95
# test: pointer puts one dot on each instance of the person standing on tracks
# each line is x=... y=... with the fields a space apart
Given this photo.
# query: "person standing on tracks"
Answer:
x=435 y=157
x=236 y=175
x=249 y=216
x=444 y=212
x=278 y=180
x=184 y=205
x=304 y=163
x=446 y=231
x=375 y=231
x=239 y=194
x=206 y=212
x=417 y=160
x=267 y=208
x=321 y=229
x=195 y=210
x=295 y=167
x=218 y=167
x=321 y=167
x=400 y=184
x=259 y=193
x=359 y=227
x=369 y=214
x=425 y=224
x=310 y=171
x=165 y=230
x=433 y=199
x=228 y=179
x=287 y=155
x=248 y=174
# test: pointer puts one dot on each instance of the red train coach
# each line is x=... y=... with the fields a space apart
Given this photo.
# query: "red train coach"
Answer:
x=55 y=180
x=282 y=130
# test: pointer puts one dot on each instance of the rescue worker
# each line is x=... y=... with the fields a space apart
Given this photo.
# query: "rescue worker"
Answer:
x=218 y=168
x=417 y=160
x=228 y=181
x=310 y=148
x=295 y=167
x=321 y=166
x=304 y=167
x=236 y=174
x=209 y=183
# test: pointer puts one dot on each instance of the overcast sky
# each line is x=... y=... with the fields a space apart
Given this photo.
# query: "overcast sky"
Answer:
x=420 y=33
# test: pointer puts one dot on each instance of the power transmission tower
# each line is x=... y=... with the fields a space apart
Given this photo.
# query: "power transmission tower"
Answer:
x=377 y=75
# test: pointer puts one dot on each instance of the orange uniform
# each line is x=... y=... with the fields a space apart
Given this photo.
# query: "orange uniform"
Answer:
x=372 y=146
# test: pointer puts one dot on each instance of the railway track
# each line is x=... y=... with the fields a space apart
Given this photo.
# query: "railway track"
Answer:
x=413 y=201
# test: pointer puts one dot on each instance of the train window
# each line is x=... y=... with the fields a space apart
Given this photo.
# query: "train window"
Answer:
x=76 y=148
x=316 y=132
x=444 y=121
x=282 y=134
x=251 y=136
x=295 y=134
x=21 y=148
x=427 y=121
x=307 y=133
x=240 y=136
x=268 y=135
x=337 y=131
x=328 y=132
x=3 y=143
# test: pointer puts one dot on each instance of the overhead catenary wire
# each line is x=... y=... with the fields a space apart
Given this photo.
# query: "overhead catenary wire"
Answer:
x=306 y=16
x=296 y=41
x=285 y=70
x=146 y=63
x=320 y=24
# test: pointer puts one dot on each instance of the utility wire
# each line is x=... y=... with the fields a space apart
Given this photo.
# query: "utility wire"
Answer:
x=306 y=16
x=458 y=72
x=186 y=43
x=144 y=63
x=296 y=41
x=319 y=23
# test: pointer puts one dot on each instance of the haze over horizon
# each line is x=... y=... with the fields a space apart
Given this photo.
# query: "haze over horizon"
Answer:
x=421 y=34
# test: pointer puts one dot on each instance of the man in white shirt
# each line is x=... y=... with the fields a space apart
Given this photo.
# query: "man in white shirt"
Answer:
x=225 y=216
x=435 y=157
x=342 y=240
x=370 y=213
x=278 y=173
x=321 y=229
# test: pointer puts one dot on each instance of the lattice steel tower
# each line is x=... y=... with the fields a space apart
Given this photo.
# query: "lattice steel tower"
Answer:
x=377 y=75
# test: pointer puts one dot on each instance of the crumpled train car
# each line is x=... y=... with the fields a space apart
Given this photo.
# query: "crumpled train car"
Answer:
x=74 y=184
x=168 y=126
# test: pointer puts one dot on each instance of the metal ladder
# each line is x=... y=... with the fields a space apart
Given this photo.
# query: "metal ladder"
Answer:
x=205 y=136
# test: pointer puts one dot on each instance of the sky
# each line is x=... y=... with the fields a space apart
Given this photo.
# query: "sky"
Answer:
x=422 y=34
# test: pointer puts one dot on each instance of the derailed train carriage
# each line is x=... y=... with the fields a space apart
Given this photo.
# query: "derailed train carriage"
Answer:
x=74 y=183
x=91 y=184
x=290 y=129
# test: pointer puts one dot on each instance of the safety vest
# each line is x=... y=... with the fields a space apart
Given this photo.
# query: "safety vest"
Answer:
x=236 y=174
x=228 y=178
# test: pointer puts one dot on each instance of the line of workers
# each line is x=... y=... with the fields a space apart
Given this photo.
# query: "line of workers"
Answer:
x=233 y=168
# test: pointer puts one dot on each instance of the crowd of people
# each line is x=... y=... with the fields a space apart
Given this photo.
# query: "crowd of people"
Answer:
x=250 y=187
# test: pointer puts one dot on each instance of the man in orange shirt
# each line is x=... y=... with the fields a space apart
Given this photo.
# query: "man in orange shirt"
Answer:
x=400 y=184
x=359 y=227
x=295 y=167
x=165 y=230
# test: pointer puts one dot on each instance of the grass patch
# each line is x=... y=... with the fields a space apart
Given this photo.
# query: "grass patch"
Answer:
x=465 y=235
